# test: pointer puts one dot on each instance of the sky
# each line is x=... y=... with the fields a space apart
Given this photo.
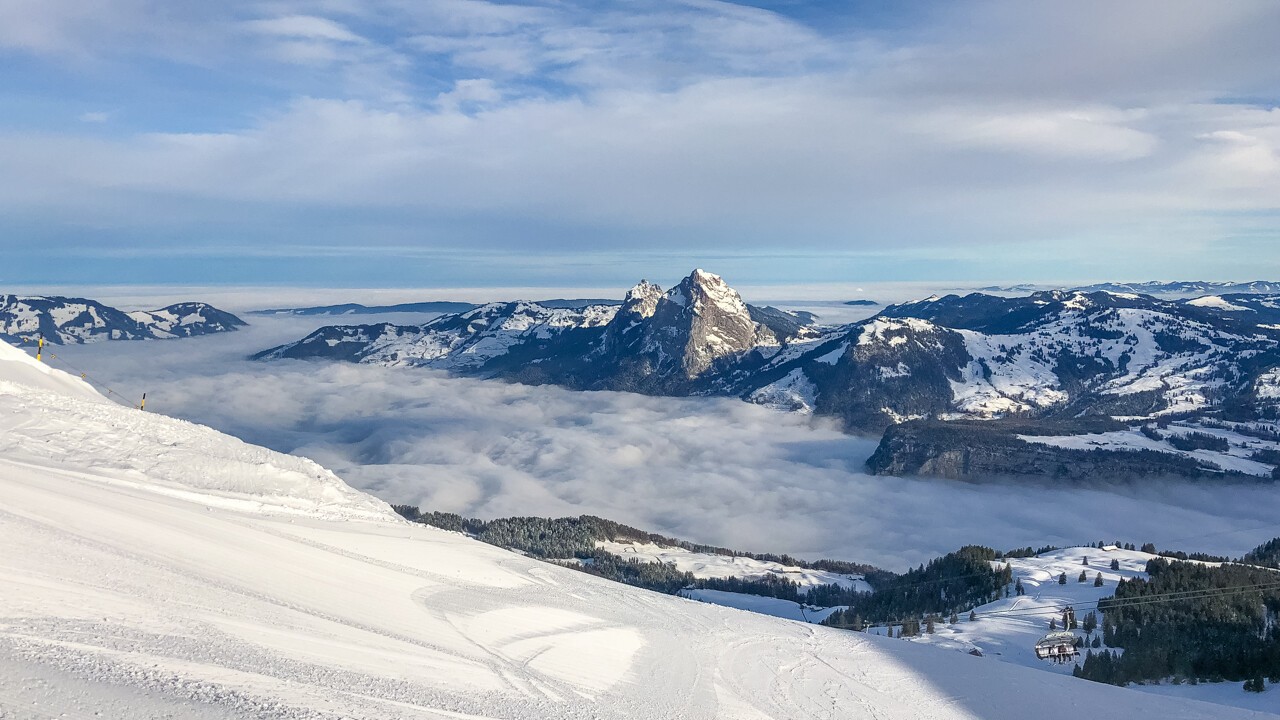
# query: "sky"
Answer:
x=569 y=143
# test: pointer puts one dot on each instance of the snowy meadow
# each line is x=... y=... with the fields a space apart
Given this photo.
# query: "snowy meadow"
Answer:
x=710 y=470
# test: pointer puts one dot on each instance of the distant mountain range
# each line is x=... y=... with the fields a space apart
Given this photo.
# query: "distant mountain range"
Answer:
x=66 y=320
x=1053 y=356
x=434 y=306
x=1155 y=287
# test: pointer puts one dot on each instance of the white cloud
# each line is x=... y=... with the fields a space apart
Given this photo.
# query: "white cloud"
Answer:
x=1087 y=133
x=304 y=26
x=701 y=125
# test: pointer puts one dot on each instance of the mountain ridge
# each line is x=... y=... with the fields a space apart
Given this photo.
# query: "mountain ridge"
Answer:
x=1051 y=355
x=68 y=320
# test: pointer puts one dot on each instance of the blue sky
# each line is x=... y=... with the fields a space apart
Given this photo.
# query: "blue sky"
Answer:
x=446 y=143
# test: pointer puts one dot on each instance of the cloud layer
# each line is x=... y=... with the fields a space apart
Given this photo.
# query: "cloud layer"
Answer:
x=301 y=134
x=710 y=470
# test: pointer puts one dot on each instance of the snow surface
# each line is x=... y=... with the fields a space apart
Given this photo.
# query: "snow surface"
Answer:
x=127 y=599
x=990 y=387
x=1011 y=638
x=1236 y=458
x=20 y=373
x=774 y=607
x=1217 y=303
x=793 y=392
x=707 y=565
x=1268 y=384
x=1015 y=372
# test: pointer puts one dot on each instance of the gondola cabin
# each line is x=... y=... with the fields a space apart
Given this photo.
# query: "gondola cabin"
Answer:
x=1058 y=647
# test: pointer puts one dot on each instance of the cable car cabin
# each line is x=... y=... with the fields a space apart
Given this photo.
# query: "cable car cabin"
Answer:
x=1059 y=647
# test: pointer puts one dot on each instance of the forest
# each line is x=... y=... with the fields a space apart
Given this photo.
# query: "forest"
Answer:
x=572 y=541
x=1190 y=622
x=952 y=584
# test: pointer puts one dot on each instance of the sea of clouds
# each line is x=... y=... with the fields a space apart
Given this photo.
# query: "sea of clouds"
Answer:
x=711 y=470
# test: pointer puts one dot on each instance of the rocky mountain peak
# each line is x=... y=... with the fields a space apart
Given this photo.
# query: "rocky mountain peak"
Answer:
x=642 y=299
x=703 y=291
x=701 y=320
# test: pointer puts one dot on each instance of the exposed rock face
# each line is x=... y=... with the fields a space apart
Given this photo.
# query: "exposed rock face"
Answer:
x=698 y=322
x=642 y=300
x=968 y=450
x=64 y=320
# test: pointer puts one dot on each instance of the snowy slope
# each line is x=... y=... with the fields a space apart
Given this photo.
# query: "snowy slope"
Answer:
x=154 y=568
x=774 y=607
x=1011 y=638
x=707 y=565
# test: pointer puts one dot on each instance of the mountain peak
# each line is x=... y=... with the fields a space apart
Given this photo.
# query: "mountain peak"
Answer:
x=707 y=292
x=642 y=299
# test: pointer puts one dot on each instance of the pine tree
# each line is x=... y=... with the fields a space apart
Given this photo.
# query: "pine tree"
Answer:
x=1084 y=576
x=929 y=625
x=1086 y=562
x=1053 y=624
x=1254 y=684
x=953 y=619
x=1097 y=581
x=1019 y=589
x=1062 y=579
x=1090 y=622
x=1115 y=564
x=973 y=615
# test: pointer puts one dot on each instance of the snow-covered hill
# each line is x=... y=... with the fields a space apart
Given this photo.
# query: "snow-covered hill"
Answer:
x=154 y=568
x=63 y=320
x=1007 y=629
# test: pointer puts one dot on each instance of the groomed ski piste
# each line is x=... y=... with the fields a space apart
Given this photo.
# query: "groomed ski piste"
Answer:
x=156 y=568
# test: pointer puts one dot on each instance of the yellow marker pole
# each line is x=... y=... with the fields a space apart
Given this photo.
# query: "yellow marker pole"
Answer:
x=39 y=348
x=143 y=406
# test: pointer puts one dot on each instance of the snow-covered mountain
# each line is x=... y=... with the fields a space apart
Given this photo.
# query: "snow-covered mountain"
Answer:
x=1052 y=356
x=1068 y=353
x=1185 y=287
x=64 y=320
x=359 y=309
x=655 y=341
x=155 y=568
x=430 y=306
x=977 y=356
x=467 y=340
